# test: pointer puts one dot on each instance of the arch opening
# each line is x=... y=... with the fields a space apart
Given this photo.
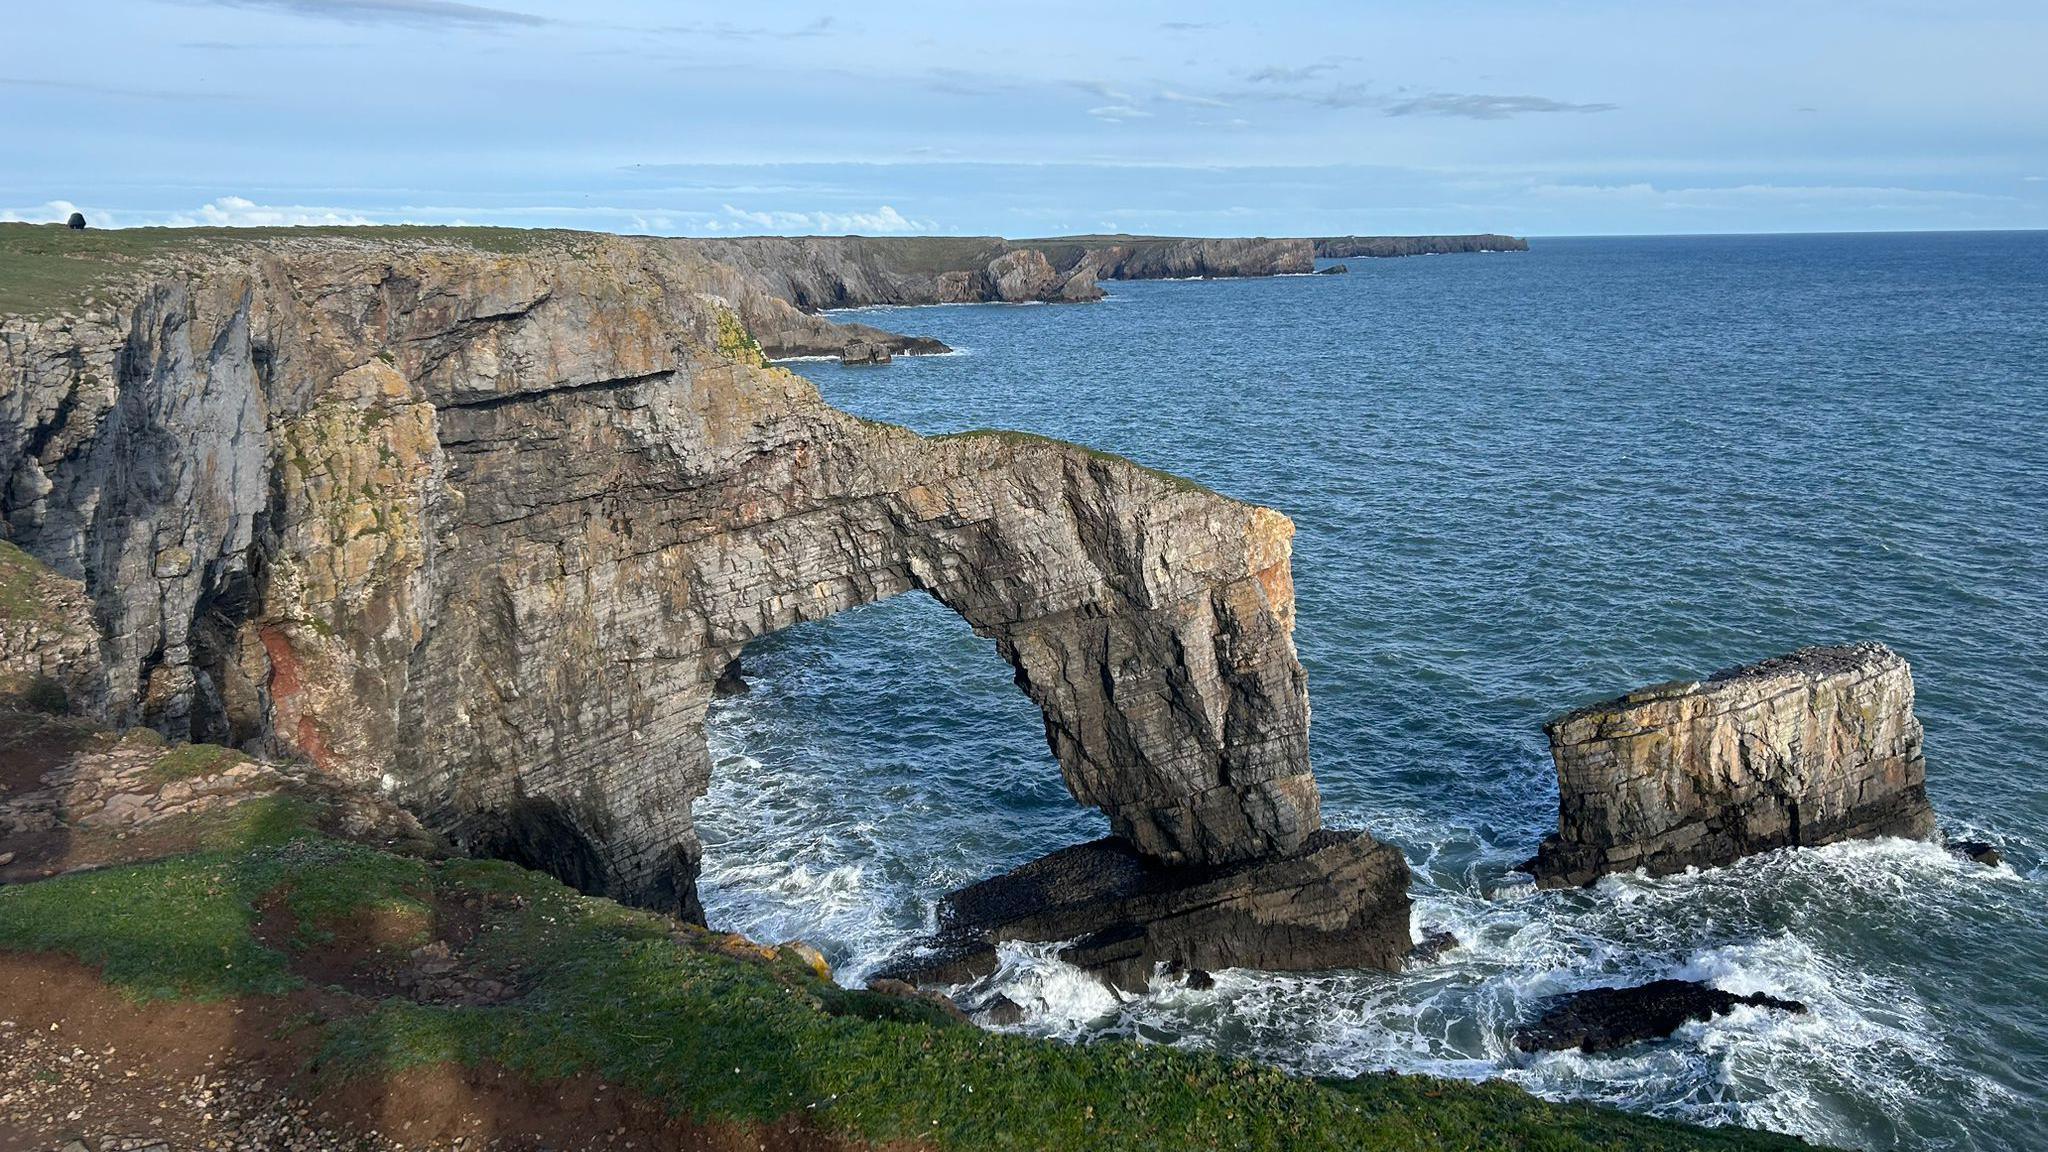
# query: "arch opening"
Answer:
x=879 y=759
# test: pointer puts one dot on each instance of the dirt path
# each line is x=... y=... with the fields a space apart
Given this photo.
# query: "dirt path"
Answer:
x=85 y=1068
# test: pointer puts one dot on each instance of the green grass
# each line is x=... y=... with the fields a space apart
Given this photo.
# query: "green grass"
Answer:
x=187 y=761
x=19 y=574
x=651 y=1005
x=1013 y=437
x=47 y=267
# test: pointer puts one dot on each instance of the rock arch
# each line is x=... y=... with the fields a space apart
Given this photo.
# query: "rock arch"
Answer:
x=491 y=525
x=1149 y=620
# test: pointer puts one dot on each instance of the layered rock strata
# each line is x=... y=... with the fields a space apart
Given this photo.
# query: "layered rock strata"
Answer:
x=1341 y=900
x=1806 y=749
x=482 y=530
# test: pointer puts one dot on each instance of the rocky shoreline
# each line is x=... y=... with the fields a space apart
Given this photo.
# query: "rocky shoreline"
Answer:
x=780 y=283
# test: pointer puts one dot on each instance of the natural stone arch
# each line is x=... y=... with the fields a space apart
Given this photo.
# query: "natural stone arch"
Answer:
x=1148 y=619
x=493 y=525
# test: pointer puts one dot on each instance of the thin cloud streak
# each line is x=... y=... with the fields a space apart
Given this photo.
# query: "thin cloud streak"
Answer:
x=409 y=12
x=1482 y=107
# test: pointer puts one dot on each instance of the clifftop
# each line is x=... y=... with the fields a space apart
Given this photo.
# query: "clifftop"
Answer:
x=776 y=283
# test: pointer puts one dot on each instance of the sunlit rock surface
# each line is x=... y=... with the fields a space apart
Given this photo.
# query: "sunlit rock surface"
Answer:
x=482 y=529
x=1806 y=749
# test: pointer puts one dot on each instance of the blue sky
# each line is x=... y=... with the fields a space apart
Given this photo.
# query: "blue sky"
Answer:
x=1539 y=118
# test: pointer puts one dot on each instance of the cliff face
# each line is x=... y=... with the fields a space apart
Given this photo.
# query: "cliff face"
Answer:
x=1166 y=258
x=779 y=282
x=481 y=530
x=1352 y=247
x=1805 y=749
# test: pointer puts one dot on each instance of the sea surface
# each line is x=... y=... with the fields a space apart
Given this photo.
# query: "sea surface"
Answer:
x=1522 y=482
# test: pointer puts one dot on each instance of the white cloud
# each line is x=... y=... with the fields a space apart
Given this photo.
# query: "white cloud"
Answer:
x=883 y=221
x=1118 y=113
x=1173 y=97
x=224 y=212
x=49 y=212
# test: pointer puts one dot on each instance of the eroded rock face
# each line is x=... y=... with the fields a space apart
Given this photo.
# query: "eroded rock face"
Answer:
x=1341 y=901
x=483 y=530
x=1805 y=749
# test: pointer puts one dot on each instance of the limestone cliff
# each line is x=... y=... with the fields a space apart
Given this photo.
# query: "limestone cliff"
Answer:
x=1352 y=247
x=481 y=530
x=778 y=282
x=1805 y=749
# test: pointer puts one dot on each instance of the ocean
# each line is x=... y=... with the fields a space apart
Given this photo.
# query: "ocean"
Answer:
x=1522 y=482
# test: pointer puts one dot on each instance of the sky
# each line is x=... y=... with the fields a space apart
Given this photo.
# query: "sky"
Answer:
x=1537 y=117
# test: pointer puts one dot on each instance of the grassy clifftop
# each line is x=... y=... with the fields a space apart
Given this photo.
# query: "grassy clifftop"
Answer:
x=48 y=266
x=708 y=1025
x=346 y=959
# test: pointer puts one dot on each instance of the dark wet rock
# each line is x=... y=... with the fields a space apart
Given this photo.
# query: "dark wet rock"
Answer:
x=1434 y=943
x=1977 y=851
x=1800 y=750
x=1001 y=1012
x=76 y=222
x=1341 y=901
x=1604 y=1019
x=732 y=681
x=864 y=352
x=1333 y=270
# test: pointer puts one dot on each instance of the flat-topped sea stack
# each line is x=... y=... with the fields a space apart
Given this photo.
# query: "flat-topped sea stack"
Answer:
x=1801 y=750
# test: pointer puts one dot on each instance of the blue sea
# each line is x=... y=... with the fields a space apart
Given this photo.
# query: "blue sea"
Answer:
x=1522 y=482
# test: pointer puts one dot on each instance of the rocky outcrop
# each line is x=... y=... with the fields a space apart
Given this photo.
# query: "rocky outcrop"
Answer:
x=1800 y=750
x=1341 y=900
x=1350 y=247
x=49 y=642
x=1171 y=258
x=481 y=530
x=1604 y=1019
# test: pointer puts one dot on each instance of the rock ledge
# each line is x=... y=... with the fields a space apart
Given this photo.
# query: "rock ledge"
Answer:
x=1340 y=902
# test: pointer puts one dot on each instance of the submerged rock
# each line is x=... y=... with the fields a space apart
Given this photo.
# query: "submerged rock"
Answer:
x=1978 y=852
x=1434 y=943
x=1603 y=1019
x=1333 y=270
x=1800 y=750
x=1339 y=902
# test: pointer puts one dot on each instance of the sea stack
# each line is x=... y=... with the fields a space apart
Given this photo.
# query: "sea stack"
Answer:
x=1800 y=750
